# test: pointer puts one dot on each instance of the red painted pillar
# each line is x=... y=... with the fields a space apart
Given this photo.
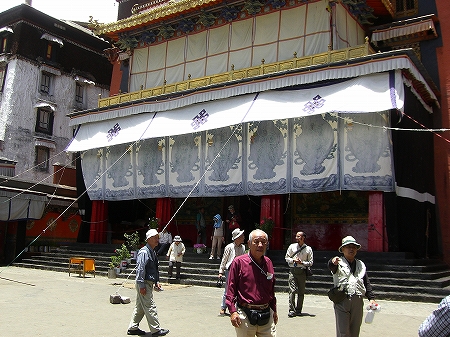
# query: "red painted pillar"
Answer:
x=271 y=207
x=164 y=212
x=376 y=228
x=99 y=219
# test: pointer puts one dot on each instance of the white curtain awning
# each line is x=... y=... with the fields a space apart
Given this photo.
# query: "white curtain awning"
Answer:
x=44 y=143
x=41 y=104
x=83 y=80
x=6 y=30
x=50 y=70
x=18 y=204
x=372 y=93
x=403 y=30
x=52 y=38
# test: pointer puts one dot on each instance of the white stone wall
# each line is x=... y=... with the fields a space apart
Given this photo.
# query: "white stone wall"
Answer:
x=18 y=117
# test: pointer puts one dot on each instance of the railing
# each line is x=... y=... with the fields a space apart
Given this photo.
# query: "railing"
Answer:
x=263 y=69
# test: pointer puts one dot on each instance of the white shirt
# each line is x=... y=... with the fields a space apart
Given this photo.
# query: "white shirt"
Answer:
x=305 y=255
x=174 y=250
x=165 y=237
x=230 y=252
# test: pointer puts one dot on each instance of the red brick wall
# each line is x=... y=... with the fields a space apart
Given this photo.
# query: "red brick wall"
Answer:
x=442 y=147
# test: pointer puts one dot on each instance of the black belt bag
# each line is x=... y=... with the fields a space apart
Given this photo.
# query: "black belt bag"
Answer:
x=257 y=317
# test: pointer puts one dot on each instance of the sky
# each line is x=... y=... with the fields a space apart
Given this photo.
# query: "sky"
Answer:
x=104 y=11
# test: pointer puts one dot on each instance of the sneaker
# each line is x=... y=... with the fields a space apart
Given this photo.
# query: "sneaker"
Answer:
x=292 y=314
x=211 y=257
x=138 y=332
x=222 y=312
x=218 y=258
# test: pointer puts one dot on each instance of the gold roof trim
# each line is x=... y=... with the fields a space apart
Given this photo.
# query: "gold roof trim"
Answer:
x=160 y=12
x=241 y=74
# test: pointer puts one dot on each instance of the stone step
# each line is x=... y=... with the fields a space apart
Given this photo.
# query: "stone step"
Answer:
x=396 y=276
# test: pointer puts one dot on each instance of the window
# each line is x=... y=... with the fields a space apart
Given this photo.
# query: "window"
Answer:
x=42 y=158
x=2 y=77
x=79 y=94
x=3 y=41
x=44 y=121
x=46 y=83
x=51 y=52
x=406 y=7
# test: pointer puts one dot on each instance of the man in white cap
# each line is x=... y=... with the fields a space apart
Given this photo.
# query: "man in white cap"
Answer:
x=350 y=274
x=231 y=250
x=147 y=279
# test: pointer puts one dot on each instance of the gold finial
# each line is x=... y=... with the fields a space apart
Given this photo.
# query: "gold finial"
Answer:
x=295 y=54
x=262 y=61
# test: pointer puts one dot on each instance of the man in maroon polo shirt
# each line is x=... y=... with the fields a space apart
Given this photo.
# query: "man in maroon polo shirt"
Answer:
x=250 y=294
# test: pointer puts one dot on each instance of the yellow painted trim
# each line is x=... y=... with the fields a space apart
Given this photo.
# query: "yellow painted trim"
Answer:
x=263 y=69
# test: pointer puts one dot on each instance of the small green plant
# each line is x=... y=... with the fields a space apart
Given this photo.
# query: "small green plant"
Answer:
x=153 y=223
x=123 y=253
x=115 y=262
x=132 y=240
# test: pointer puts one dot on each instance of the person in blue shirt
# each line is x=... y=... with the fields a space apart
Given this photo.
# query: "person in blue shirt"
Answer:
x=438 y=323
x=147 y=279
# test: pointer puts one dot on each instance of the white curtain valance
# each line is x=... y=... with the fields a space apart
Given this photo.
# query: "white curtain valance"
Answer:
x=403 y=30
x=377 y=92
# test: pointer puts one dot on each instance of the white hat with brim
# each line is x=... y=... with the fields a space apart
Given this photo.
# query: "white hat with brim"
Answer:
x=349 y=240
x=177 y=238
x=150 y=233
x=236 y=233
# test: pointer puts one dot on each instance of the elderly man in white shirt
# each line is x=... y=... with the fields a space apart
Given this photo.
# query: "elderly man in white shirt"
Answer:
x=232 y=250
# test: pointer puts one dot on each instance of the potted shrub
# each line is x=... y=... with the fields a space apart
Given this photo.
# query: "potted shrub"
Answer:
x=132 y=243
x=114 y=266
x=200 y=248
x=124 y=255
x=153 y=223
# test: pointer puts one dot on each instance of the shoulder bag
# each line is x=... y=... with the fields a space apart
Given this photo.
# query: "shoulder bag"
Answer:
x=308 y=270
x=336 y=295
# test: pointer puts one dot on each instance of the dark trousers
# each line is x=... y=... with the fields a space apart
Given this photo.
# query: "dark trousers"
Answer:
x=349 y=315
x=162 y=248
x=178 y=268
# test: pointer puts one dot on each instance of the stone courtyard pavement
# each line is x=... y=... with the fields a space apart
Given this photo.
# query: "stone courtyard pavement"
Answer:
x=45 y=303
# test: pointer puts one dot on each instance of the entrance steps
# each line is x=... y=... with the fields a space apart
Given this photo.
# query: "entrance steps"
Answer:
x=394 y=275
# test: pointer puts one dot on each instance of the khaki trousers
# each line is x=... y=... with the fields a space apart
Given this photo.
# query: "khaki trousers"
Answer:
x=297 y=283
x=145 y=306
x=248 y=330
